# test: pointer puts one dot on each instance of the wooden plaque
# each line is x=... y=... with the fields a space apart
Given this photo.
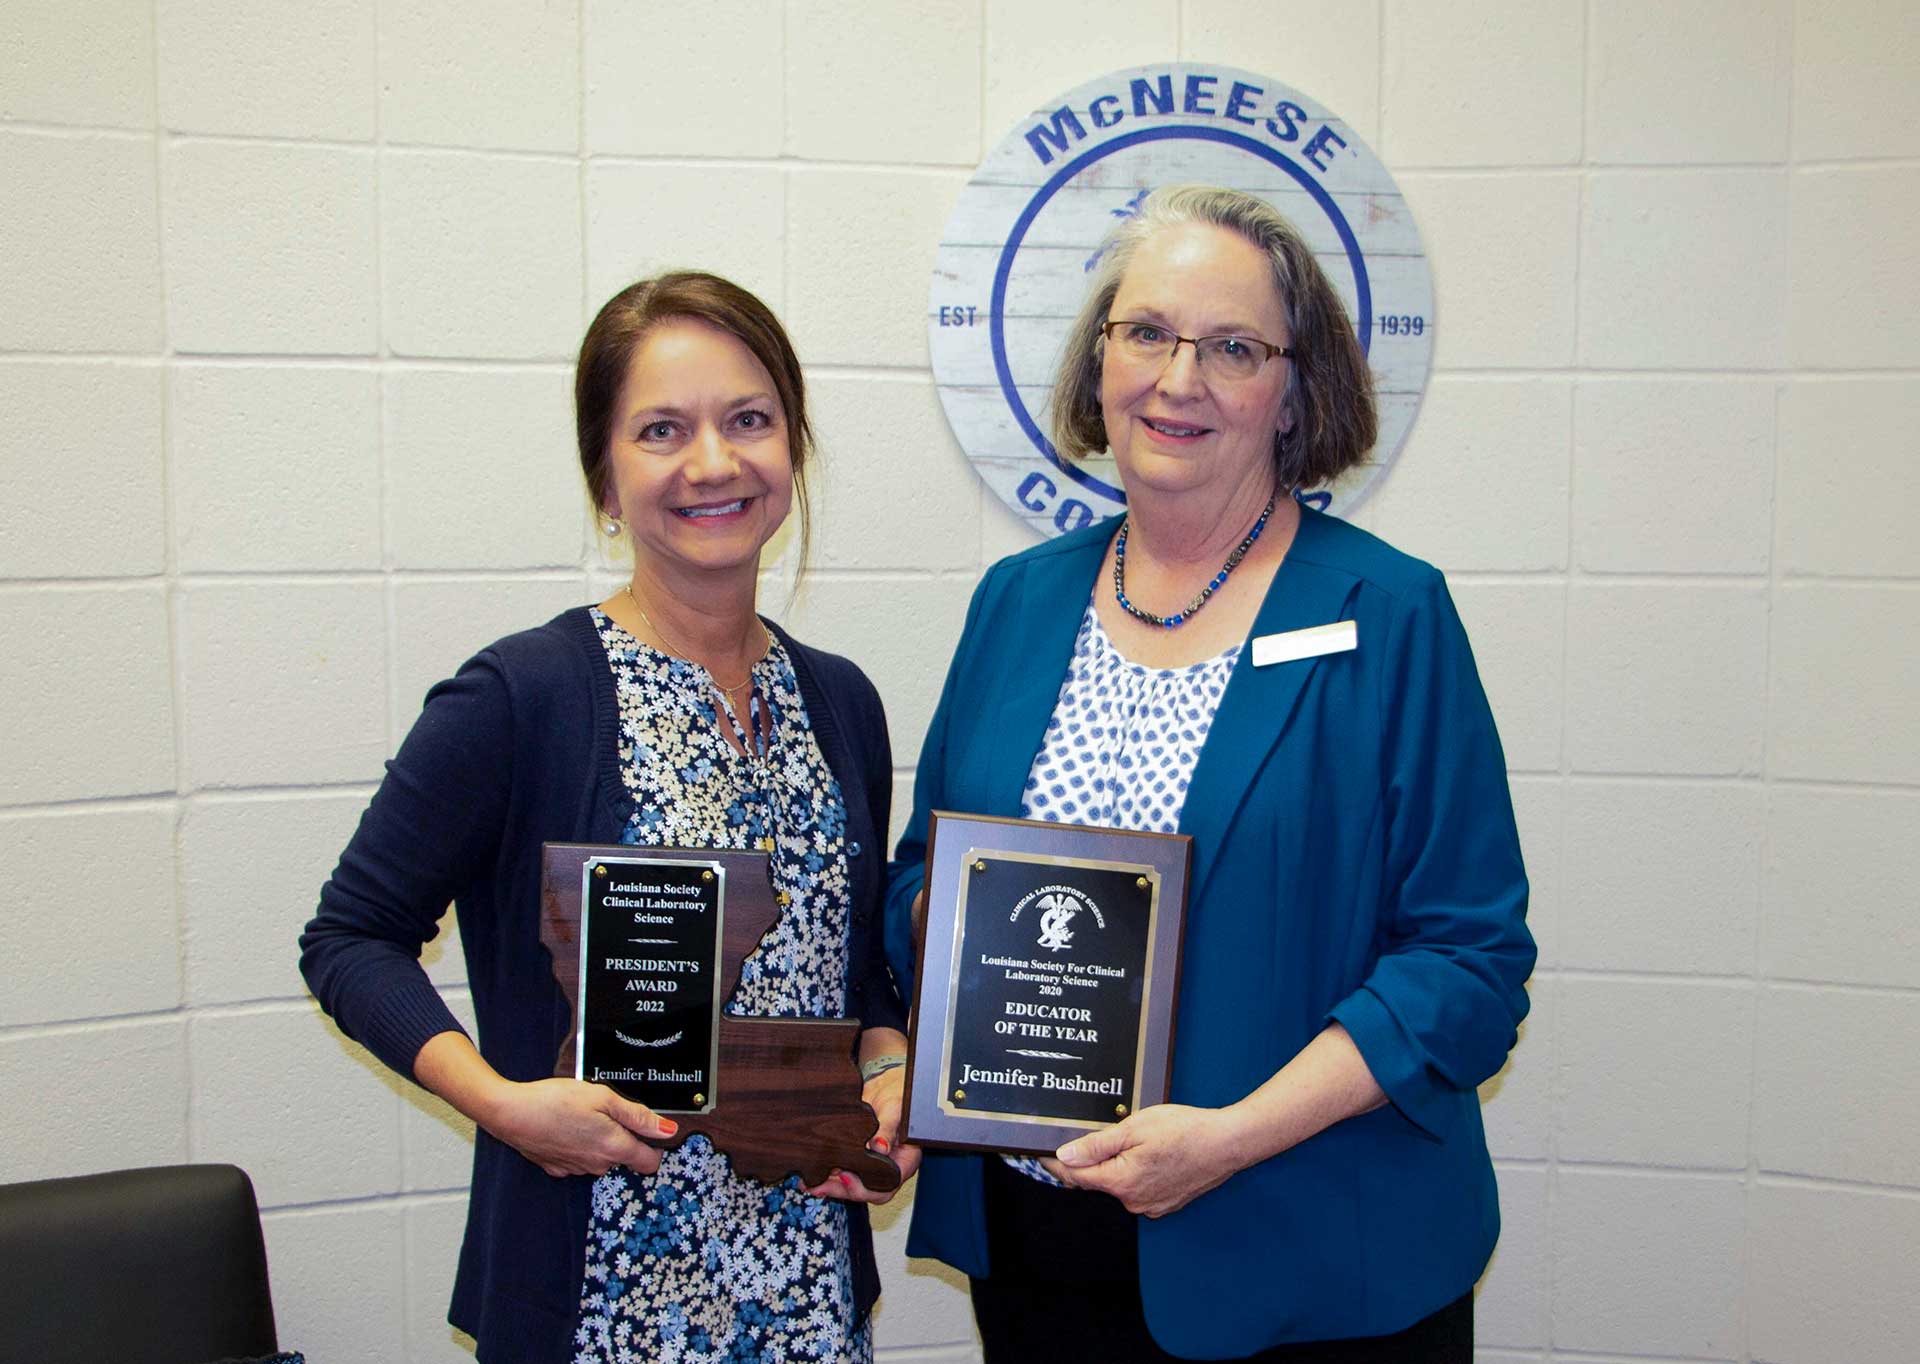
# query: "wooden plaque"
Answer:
x=1048 y=981
x=782 y=1095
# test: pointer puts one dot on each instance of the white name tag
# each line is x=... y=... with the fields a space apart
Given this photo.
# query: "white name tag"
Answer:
x=1311 y=642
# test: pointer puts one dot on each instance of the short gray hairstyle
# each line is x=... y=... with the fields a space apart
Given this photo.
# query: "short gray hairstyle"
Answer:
x=1330 y=390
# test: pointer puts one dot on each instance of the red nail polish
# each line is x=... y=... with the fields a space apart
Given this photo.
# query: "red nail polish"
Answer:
x=845 y=1178
x=668 y=1127
x=880 y=1145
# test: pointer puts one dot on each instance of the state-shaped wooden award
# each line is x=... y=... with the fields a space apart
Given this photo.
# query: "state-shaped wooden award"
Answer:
x=647 y=945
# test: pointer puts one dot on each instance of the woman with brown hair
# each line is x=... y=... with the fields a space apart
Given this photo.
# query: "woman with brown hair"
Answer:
x=670 y=714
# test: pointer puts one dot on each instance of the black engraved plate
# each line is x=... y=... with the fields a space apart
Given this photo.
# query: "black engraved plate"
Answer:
x=649 y=971
x=1046 y=1019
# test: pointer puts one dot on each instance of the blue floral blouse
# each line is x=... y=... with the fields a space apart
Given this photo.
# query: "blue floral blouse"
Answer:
x=1120 y=748
x=696 y=1264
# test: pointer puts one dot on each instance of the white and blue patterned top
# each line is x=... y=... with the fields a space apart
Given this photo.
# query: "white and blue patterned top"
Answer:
x=1121 y=747
x=696 y=1264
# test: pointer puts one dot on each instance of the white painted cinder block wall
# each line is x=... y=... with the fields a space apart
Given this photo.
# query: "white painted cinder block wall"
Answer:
x=288 y=292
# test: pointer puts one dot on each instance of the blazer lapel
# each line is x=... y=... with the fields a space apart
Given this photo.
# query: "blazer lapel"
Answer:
x=1258 y=703
x=1034 y=659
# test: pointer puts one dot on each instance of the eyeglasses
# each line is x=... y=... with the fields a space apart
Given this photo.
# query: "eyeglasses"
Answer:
x=1219 y=357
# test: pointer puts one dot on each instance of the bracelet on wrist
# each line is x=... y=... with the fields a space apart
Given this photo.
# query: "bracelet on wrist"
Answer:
x=880 y=1065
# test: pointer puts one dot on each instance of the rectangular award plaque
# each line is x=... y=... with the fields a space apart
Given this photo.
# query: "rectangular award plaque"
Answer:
x=1049 y=971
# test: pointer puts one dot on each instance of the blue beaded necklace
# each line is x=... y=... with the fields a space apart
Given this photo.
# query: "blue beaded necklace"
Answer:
x=1180 y=617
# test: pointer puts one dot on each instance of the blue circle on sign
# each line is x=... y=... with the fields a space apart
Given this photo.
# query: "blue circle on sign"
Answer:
x=1004 y=269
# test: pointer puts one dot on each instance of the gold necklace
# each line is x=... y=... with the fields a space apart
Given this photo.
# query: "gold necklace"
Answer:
x=718 y=685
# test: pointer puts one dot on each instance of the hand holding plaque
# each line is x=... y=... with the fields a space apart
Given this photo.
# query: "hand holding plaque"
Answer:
x=1048 y=977
x=647 y=945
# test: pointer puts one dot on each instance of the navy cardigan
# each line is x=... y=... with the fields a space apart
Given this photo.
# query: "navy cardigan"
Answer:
x=521 y=747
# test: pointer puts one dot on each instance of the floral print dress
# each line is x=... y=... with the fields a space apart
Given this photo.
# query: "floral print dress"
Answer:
x=696 y=1264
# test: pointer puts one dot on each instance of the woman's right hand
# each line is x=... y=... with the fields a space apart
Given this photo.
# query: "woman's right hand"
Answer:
x=569 y=1127
x=566 y=1127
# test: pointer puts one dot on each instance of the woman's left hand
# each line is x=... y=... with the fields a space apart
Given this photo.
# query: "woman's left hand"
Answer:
x=1163 y=1157
x=882 y=1094
x=1155 y=1162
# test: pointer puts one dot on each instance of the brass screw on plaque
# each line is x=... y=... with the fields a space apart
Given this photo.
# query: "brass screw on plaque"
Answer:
x=1121 y=1109
x=959 y=1094
x=979 y=866
x=1142 y=883
x=600 y=870
x=707 y=875
x=699 y=1099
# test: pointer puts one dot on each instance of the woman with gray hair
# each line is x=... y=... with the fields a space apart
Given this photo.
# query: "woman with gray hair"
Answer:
x=1319 y=1188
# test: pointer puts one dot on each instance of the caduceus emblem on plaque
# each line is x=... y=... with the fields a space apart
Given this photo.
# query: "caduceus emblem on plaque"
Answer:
x=1057 y=912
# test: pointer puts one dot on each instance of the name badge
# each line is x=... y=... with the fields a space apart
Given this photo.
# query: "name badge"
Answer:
x=1288 y=645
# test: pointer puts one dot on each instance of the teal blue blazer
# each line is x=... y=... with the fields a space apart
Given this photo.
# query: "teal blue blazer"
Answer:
x=1354 y=860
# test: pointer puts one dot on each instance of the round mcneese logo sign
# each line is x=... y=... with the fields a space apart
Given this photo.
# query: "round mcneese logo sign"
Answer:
x=1025 y=238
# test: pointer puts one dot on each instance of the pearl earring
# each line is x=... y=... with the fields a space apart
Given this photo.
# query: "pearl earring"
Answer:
x=611 y=527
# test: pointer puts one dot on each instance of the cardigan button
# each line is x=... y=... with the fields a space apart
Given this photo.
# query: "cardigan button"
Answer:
x=853 y=848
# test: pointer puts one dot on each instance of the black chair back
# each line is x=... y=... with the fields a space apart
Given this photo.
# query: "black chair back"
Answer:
x=159 y=1266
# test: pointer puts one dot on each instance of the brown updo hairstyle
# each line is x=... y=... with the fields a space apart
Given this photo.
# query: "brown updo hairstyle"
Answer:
x=1329 y=390
x=624 y=322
